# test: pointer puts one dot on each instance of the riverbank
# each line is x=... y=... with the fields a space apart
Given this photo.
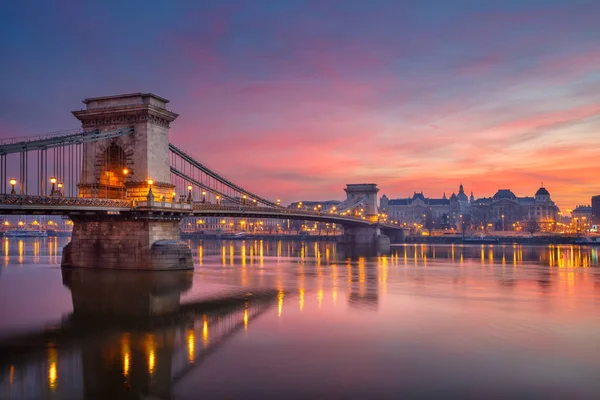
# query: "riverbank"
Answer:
x=533 y=240
x=249 y=236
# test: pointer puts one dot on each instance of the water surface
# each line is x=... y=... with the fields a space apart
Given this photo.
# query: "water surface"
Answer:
x=258 y=319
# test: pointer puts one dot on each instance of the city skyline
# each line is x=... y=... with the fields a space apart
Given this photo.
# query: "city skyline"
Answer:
x=297 y=100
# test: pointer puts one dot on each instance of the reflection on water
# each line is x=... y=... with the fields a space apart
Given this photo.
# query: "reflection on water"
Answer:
x=453 y=320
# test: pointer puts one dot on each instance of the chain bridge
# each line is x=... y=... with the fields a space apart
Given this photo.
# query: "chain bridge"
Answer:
x=126 y=187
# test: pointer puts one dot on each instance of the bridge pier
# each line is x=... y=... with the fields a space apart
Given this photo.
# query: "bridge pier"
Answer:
x=137 y=242
x=365 y=236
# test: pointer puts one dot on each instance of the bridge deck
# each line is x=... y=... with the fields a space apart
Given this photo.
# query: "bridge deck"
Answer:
x=37 y=205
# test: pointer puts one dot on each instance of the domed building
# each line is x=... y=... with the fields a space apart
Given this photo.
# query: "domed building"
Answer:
x=504 y=211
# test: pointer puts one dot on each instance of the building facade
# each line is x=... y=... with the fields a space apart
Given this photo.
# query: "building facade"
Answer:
x=437 y=213
x=506 y=211
x=596 y=210
x=503 y=211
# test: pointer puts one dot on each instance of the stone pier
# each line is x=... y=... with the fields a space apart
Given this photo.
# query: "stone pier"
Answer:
x=135 y=167
x=118 y=242
x=365 y=236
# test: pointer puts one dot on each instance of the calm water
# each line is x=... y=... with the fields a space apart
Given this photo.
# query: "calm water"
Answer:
x=293 y=320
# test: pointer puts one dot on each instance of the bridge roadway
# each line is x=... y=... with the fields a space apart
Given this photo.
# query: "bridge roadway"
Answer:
x=54 y=205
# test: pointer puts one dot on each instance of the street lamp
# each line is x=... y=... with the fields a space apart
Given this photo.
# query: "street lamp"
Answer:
x=53 y=182
x=150 y=194
x=189 y=198
x=244 y=200
x=174 y=196
x=13 y=182
x=204 y=196
x=218 y=199
x=60 y=186
x=502 y=222
x=254 y=201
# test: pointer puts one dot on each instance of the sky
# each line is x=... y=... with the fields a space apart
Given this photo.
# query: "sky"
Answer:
x=296 y=99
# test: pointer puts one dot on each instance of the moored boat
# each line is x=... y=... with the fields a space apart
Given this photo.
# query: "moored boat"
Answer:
x=23 y=233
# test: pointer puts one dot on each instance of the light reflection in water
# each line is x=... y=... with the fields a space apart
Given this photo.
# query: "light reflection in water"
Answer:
x=21 y=251
x=52 y=370
x=279 y=302
x=320 y=297
x=191 y=341
x=205 y=329
x=151 y=349
x=126 y=353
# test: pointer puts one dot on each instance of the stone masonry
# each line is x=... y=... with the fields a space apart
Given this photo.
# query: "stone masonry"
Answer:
x=140 y=239
x=142 y=244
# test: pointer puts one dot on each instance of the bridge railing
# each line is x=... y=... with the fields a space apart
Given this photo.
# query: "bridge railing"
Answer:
x=27 y=200
x=271 y=210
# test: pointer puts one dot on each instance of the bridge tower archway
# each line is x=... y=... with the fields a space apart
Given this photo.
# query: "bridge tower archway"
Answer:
x=112 y=172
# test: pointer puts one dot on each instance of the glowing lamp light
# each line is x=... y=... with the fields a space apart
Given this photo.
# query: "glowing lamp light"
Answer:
x=150 y=182
x=13 y=181
x=125 y=171
x=53 y=180
x=189 y=187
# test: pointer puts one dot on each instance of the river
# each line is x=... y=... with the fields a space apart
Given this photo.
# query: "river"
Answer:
x=298 y=320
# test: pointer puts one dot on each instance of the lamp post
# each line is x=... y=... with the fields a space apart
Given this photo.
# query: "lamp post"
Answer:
x=244 y=200
x=174 y=194
x=53 y=182
x=204 y=196
x=278 y=202
x=254 y=201
x=13 y=182
x=189 y=198
x=150 y=196
x=60 y=186
x=502 y=222
x=218 y=199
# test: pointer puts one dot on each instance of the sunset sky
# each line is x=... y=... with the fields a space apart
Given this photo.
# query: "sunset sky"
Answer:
x=295 y=99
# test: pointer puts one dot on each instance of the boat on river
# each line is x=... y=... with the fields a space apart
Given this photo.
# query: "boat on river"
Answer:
x=24 y=233
x=480 y=240
x=587 y=241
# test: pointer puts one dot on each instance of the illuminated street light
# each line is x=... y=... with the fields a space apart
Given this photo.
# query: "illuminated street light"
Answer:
x=125 y=171
x=60 y=186
x=204 y=196
x=150 y=194
x=13 y=182
x=53 y=182
x=218 y=199
x=189 y=198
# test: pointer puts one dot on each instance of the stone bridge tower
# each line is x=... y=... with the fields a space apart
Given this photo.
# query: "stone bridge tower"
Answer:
x=121 y=167
x=365 y=191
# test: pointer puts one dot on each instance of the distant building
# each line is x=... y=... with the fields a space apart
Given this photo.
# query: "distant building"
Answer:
x=442 y=212
x=581 y=217
x=596 y=210
x=505 y=210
